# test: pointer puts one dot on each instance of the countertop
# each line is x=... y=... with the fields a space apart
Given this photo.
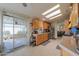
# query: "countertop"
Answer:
x=40 y=33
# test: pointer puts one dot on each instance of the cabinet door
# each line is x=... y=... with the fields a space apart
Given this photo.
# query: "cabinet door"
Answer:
x=41 y=24
x=45 y=37
x=35 y=24
x=45 y=25
x=39 y=39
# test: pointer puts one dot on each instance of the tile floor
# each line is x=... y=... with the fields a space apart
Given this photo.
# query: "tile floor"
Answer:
x=47 y=50
x=8 y=44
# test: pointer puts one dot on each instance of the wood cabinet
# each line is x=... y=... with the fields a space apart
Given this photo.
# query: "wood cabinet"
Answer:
x=41 y=38
x=39 y=24
x=46 y=25
x=35 y=24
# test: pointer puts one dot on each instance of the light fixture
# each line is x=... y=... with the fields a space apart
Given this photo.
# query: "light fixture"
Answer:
x=55 y=16
x=50 y=10
x=53 y=13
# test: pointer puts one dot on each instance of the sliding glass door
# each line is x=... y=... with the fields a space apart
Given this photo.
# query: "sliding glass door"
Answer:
x=14 y=33
x=0 y=35
x=19 y=33
x=8 y=33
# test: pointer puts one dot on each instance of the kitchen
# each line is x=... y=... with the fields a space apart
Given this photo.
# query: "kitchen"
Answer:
x=48 y=25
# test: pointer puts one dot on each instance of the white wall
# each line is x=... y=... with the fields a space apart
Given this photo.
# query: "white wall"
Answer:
x=29 y=30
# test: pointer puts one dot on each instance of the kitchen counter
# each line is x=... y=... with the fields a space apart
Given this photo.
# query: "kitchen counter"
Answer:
x=40 y=38
x=40 y=34
x=68 y=46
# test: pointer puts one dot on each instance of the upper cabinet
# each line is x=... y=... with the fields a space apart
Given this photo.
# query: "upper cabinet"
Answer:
x=35 y=23
x=39 y=24
x=46 y=25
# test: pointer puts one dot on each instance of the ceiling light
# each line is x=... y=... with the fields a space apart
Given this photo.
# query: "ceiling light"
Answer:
x=55 y=16
x=53 y=8
x=53 y=13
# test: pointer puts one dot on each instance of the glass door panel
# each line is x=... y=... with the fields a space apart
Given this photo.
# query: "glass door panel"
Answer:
x=0 y=36
x=8 y=33
x=19 y=33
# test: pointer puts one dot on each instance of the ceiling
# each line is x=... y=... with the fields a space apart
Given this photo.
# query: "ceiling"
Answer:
x=34 y=9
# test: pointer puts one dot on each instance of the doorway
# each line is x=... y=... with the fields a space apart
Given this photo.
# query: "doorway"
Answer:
x=14 y=33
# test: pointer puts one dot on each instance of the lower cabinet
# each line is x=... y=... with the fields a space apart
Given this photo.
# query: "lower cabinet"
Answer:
x=41 y=38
